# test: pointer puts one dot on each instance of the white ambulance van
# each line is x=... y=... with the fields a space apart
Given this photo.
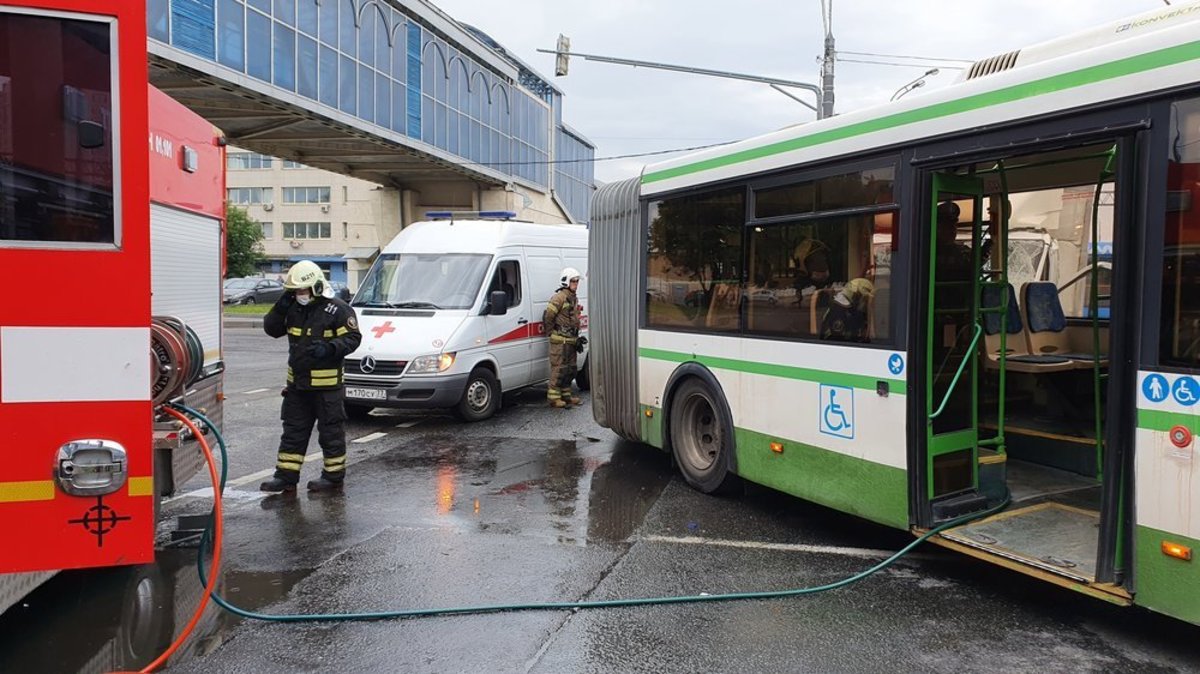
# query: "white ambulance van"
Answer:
x=451 y=313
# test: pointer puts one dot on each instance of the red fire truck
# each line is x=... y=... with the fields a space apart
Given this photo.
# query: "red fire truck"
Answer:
x=113 y=257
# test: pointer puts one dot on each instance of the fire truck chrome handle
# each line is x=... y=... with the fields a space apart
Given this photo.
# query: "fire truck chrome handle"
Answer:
x=91 y=467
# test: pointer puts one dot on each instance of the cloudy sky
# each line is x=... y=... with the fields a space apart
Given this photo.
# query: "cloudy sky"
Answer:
x=626 y=110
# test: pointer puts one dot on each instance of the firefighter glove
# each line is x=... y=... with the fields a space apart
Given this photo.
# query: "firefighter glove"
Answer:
x=286 y=301
x=320 y=350
x=580 y=344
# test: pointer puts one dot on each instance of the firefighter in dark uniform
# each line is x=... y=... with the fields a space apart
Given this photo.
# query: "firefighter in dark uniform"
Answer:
x=560 y=323
x=321 y=331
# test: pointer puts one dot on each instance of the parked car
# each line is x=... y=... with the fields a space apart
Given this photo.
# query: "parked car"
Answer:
x=341 y=290
x=252 y=290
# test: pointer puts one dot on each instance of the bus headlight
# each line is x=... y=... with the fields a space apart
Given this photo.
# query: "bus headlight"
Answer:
x=431 y=364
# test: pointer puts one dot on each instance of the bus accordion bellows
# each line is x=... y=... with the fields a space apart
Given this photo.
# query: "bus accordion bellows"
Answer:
x=922 y=310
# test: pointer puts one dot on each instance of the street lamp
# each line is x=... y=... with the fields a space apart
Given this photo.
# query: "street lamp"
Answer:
x=915 y=84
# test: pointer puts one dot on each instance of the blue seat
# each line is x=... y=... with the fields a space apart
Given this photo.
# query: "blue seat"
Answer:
x=1047 y=334
x=1017 y=357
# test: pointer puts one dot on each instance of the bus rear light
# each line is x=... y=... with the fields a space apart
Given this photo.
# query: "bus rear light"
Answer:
x=1177 y=551
x=777 y=447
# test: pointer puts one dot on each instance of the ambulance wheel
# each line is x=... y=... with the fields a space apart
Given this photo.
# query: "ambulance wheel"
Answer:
x=481 y=397
x=358 y=412
x=584 y=376
x=701 y=438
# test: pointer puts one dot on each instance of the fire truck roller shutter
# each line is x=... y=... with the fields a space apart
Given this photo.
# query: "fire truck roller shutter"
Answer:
x=185 y=262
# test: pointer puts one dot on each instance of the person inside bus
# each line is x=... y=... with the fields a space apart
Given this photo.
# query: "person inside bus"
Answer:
x=811 y=259
x=847 y=318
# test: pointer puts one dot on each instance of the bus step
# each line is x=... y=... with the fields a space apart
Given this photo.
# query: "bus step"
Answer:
x=957 y=506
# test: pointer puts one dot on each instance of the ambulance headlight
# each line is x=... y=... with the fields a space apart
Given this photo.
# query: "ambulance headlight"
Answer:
x=431 y=364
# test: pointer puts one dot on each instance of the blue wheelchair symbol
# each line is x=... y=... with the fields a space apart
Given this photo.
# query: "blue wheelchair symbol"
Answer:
x=896 y=363
x=837 y=411
x=1186 y=391
x=1155 y=388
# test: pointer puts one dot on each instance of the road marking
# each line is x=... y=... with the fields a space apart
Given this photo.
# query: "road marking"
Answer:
x=257 y=390
x=409 y=424
x=866 y=553
x=369 y=438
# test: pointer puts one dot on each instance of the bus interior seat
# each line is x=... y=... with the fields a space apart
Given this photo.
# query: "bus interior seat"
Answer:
x=1016 y=346
x=1046 y=326
x=817 y=303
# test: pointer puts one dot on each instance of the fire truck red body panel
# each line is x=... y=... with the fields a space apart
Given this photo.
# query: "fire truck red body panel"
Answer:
x=91 y=312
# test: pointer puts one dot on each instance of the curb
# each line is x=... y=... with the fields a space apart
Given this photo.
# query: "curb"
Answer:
x=243 y=322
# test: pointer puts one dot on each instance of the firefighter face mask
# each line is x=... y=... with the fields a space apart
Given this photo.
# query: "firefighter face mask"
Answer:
x=303 y=297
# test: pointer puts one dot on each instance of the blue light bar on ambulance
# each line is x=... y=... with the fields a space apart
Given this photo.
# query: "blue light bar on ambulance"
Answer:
x=470 y=215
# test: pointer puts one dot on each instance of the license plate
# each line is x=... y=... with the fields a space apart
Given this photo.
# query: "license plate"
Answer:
x=366 y=393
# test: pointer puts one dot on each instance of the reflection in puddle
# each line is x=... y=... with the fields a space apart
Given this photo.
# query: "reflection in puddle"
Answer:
x=107 y=620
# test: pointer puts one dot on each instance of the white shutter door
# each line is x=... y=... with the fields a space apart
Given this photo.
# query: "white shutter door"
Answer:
x=185 y=260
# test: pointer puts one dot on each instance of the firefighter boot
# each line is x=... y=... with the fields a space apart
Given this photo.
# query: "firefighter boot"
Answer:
x=558 y=403
x=575 y=400
x=322 y=484
x=277 y=485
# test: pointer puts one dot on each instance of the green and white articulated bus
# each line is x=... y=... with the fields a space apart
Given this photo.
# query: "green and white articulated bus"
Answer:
x=923 y=310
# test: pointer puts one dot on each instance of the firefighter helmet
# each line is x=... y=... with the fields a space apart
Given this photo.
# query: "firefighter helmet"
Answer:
x=306 y=275
x=568 y=273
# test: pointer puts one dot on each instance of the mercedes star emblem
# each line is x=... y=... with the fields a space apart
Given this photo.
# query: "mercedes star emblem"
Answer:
x=367 y=365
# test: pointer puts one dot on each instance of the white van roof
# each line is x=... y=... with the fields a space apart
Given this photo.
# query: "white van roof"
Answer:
x=483 y=236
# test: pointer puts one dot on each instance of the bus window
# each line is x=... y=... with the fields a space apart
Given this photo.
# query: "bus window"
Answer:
x=56 y=149
x=694 y=261
x=1180 y=311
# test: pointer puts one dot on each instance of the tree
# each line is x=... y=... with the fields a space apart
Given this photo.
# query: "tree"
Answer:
x=243 y=242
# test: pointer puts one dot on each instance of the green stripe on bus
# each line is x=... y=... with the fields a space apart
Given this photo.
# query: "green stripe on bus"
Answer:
x=866 y=489
x=1166 y=584
x=1047 y=85
x=896 y=386
x=1158 y=420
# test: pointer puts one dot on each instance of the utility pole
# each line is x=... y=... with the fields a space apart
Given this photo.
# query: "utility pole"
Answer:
x=827 y=60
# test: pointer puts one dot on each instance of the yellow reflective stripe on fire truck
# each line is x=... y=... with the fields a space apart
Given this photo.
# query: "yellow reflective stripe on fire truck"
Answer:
x=141 y=486
x=295 y=331
x=34 y=490
x=333 y=381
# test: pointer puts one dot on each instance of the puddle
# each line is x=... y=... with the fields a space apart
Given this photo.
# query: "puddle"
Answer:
x=106 y=620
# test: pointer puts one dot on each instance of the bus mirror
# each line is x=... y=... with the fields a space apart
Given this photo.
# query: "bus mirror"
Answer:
x=497 y=303
x=91 y=134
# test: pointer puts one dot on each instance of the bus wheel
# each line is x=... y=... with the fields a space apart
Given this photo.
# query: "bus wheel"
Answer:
x=481 y=398
x=701 y=441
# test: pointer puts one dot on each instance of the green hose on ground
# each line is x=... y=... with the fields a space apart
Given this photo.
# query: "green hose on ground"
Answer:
x=206 y=541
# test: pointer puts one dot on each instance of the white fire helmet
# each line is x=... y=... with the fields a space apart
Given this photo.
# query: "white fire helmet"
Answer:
x=567 y=275
x=306 y=275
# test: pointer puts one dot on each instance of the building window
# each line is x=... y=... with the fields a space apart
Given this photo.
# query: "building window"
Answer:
x=268 y=230
x=694 y=265
x=289 y=164
x=244 y=196
x=236 y=161
x=307 y=230
x=306 y=195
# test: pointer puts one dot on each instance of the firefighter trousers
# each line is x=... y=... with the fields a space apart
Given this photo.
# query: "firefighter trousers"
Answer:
x=563 y=366
x=302 y=409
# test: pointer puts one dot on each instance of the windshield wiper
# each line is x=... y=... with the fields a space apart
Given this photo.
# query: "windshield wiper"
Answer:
x=415 y=305
x=389 y=305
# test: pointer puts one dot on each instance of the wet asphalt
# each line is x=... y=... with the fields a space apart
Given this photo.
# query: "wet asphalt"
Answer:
x=542 y=505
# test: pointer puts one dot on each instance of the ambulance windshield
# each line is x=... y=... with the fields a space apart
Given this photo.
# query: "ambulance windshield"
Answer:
x=423 y=281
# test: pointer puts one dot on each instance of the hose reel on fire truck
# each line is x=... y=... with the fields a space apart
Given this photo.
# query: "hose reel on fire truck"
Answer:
x=176 y=358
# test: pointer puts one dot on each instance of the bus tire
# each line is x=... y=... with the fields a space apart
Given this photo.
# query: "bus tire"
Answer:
x=584 y=376
x=702 y=440
x=357 y=412
x=481 y=397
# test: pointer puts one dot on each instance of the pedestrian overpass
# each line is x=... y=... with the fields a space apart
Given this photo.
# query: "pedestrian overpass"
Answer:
x=390 y=91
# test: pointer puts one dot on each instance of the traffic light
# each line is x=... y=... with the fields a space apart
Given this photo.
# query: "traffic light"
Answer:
x=562 y=54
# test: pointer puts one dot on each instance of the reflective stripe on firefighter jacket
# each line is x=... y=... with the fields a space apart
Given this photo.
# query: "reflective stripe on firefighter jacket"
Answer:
x=560 y=322
x=324 y=320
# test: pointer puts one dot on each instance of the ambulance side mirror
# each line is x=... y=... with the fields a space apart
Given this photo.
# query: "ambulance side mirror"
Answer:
x=497 y=303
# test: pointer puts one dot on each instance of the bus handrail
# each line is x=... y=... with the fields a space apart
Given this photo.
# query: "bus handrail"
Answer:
x=954 y=383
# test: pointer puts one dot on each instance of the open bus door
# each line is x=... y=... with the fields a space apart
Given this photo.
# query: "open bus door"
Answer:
x=76 y=483
x=952 y=431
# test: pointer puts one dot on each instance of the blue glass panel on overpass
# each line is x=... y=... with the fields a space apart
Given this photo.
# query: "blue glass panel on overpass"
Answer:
x=193 y=24
x=329 y=22
x=258 y=46
x=306 y=67
x=328 y=74
x=414 y=80
x=157 y=24
x=231 y=34
x=285 y=57
x=306 y=18
x=285 y=11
